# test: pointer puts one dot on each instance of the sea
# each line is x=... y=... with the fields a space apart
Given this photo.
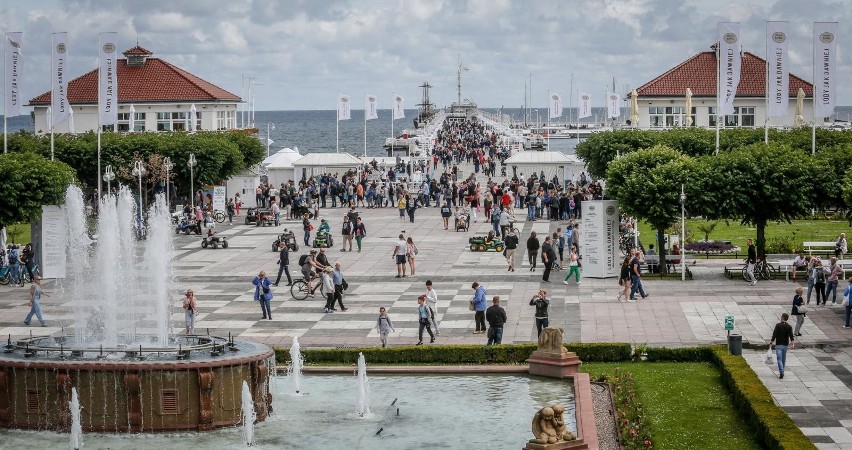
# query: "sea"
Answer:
x=314 y=131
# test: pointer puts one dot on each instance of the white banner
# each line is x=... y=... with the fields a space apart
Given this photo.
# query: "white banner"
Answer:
x=53 y=241
x=729 y=67
x=555 y=106
x=219 y=198
x=398 y=107
x=825 y=55
x=371 y=108
x=599 y=243
x=777 y=69
x=12 y=89
x=584 y=106
x=613 y=108
x=59 y=79
x=344 y=107
x=108 y=79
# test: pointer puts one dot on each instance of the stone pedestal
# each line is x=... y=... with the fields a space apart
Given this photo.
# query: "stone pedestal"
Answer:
x=554 y=365
x=573 y=445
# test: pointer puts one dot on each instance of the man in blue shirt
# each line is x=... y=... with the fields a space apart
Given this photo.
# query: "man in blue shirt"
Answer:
x=479 y=305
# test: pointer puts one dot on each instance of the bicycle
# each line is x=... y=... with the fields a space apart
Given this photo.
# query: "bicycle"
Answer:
x=26 y=276
x=299 y=289
x=762 y=271
x=219 y=216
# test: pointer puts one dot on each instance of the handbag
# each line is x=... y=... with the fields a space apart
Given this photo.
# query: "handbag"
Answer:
x=344 y=284
x=470 y=306
x=769 y=359
x=804 y=309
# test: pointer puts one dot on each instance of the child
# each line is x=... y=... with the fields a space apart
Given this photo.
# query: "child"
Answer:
x=384 y=326
x=574 y=266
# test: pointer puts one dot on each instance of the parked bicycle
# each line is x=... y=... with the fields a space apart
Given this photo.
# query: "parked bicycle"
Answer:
x=762 y=271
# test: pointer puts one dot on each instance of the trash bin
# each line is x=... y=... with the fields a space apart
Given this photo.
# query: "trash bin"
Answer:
x=735 y=344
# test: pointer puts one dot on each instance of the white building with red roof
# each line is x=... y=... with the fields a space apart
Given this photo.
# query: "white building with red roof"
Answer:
x=160 y=93
x=662 y=101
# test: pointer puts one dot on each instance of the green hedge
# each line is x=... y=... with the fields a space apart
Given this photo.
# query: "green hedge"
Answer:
x=684 y=354
x=775 y=429
x=454 y=354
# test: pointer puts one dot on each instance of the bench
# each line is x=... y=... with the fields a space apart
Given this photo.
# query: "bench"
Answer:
x=786 y=265
x=818 y=245
x=673 y=263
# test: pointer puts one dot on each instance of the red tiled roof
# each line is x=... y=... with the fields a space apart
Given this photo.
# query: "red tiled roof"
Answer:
x=137 y=50
x=699 y=74
x=155 y=81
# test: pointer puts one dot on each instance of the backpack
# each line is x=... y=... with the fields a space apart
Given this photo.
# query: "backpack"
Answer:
x=571 y=204
x=13 y=256
x=303 y=260
x=569 y=234
x=820 y=275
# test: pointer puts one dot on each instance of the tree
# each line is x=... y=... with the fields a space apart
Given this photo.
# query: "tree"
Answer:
x=647 y=184
x=758 y=183
x=29 y=181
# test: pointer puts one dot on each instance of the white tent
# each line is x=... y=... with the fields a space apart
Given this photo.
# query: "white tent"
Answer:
x=244 y=183
x=279 y=165
x=318 y=163
x=565 y=167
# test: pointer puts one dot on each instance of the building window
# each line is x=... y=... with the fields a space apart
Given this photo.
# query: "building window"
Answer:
x=656 y=116
x=172 y=121
x=742 y=117
x=164 y=121
x=124 y=122
x=668 y=116
x=226 y=120
x=747 y=116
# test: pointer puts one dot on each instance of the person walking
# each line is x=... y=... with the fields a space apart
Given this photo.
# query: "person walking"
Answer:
x=834 y=273
x=401 y=205
x=548 y=257
x=307 y=227
x=283 y=263
x=347 y=229
x=782 y=337
x=751 y=261
x=190 y=305
x=411 y=208
x=384 y=326
x=532 y=250
x=263 y=294
x=432 y=303
x=478 y=305
x=360 y=233
x=624 y=279
x=574 y=267
x=327 y=281
x=560 y=239
x=847 y=303
x=511 y=241
x=400 y=253
x=231 y=209
x=339 y=286
x=495 y=315
x=799 y=310
x=423 y=320
x=541 y=302
x=635 y=278
x=819 y=282
x=36 y=292
x=446 y=213
x=412 y=251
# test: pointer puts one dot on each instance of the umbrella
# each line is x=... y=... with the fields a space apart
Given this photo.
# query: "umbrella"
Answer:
x=49 y=119
x=800 y=107
x=634 y=108
x=71 y=120
x=688 y=120
x=132 y=119
x=191 y=126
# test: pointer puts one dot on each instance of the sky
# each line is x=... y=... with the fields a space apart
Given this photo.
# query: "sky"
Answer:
x=303 y=53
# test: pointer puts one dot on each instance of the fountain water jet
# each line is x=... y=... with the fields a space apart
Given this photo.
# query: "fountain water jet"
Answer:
x=76 y=427
x=363 y=407
x=297 y=361
x=248 y=415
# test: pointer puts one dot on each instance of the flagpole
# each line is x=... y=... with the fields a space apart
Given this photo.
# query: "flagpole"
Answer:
x=365 y=124
x=766 y=90
x=718 y=86
x=337 y=122
x=393 y=110
x=100 y=192
x=548 y=120
x=5 y=94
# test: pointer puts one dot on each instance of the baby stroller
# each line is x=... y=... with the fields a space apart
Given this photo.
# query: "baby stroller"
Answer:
x=463 y=222
x=323 y=240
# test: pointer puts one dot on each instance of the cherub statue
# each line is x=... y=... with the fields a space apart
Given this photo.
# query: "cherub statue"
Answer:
x=544 y=427
x=559 y=421
x=550 y=340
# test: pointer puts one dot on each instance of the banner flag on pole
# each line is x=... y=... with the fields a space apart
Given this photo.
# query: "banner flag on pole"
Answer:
x=398 y=108
x=825 y=55
x=777 y=69
x=555 y=106
x=12 y=89
x=343 y=107
x=584 y=106
x=730 y=61
x=613 y=110
x=59 y=79
x=107 y=79
x=371 y=108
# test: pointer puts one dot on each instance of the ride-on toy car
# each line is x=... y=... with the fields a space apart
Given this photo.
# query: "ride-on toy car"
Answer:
x=187 y=226
x=212 y=240
x=288 y=238
x=265 y=217
x=478 y=244
x=323 y=240
x=462 y=222
x=251 y=216
x=301 y=211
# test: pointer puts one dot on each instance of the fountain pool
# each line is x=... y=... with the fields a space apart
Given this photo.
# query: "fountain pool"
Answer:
x=435 y=411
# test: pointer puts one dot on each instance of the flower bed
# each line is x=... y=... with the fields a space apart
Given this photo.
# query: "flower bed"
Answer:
x=634 y=432
x=716 y=247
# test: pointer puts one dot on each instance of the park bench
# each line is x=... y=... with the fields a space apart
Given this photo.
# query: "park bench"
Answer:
x=810 y=246
x=672 y=263
x=786 y=266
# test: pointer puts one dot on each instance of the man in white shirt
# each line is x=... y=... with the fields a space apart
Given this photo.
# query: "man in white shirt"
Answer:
x=432 y=303
x=800 y=263
x=400 y=253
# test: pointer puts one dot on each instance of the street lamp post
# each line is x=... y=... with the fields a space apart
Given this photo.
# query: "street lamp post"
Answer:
x=109 y=175
x=138 y=171
x=167 y=163
x=268 y=140
x=682 y=233
x=192 y=163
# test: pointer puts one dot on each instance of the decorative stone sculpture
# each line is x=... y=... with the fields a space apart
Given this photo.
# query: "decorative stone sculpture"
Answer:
x=548 y=426
x=551 y=359
x=550 y=341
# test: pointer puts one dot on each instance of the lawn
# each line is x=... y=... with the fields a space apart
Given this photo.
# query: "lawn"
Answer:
x=18 y=233
x=799 y=231
x=686 y=404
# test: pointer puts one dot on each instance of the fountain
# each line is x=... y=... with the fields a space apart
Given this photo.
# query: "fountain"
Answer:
x=363 y=407
x=248 y=416
x=297 y=361
x=76 y=429
x=120 y=354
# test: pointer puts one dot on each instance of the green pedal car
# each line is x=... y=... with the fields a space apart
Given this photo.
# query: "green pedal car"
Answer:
x=478 y=244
